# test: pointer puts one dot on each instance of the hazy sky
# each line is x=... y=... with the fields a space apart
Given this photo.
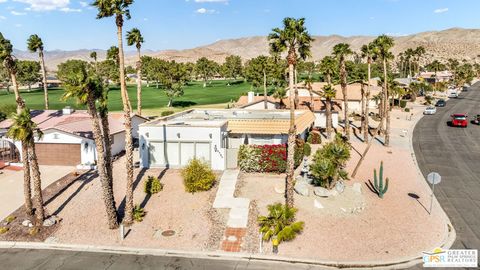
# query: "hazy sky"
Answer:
x=180 y=24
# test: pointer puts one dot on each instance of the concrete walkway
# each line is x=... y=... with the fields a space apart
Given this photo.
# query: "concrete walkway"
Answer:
x=11 y=186
x=239 y=207
x=237 y=217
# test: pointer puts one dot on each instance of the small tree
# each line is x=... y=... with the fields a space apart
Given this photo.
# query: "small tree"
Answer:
x=280 y=223
x=329 y=163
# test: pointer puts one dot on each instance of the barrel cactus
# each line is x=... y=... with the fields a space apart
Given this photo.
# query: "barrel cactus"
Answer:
x=380 y=187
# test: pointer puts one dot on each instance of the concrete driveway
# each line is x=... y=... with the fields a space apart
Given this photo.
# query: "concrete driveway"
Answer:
x=11 y=186
x=455 y=154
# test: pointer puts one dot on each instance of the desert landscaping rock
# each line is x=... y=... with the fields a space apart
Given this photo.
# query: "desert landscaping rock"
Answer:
x=302 y=188
x=26 y=223
x=321 y=192
x=49 y=222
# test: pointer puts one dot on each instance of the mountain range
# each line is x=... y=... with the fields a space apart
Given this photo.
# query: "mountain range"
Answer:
x=456 y=43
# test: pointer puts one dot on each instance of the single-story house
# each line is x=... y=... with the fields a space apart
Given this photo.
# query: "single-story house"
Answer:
x=67 y=137
x=354 y=91
x=439 y=76
x=318 y=107
x=214 y=135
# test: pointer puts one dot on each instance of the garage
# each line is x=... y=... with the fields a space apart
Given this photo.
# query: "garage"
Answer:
x=58 y=154
x=177 y=154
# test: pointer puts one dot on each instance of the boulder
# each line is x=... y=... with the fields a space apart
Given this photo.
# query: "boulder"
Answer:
x=49 y=222
x=321 y=192
x=340 y=187
x=301 y=188
x=26 y=223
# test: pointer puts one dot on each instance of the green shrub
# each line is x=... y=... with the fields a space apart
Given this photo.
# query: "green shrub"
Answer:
x=152 y=185
x=307 y=150
x=167 y=113
x=299 y=152
x=3 y=230
x=197 y=176
x=403 y=103
x=314 y=138
x=328 y=165
x=138 y=213
x=407 y=109
x=280 y=223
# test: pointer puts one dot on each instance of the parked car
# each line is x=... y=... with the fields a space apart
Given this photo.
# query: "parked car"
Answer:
x=453 y=94
x=459 y=120
x=441 y=103
x=476 y=120
x=430 y=110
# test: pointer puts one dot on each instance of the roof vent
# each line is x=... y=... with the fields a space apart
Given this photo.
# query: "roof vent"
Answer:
x=68 y=110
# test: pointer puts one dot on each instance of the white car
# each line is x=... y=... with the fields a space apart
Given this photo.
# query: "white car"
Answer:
x=430 y=110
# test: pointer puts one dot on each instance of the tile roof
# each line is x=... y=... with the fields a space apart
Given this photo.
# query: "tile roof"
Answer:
x=267 y=126
x=77 y=123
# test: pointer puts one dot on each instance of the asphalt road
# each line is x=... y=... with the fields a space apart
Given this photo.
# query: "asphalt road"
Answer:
x=455 y=154
x=23 y=259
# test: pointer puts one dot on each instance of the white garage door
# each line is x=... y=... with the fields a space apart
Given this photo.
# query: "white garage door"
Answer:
x=177 y=153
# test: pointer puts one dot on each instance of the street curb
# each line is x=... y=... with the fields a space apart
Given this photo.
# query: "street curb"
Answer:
x=398 y=264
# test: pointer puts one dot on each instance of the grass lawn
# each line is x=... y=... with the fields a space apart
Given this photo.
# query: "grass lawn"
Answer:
x=154 y=100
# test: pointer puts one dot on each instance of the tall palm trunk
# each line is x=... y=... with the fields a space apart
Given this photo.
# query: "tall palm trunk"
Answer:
x=296 y=101
x=386 y=104
x=328 y=105
x=44 y=78
x=343 y=74
x=363 y=104
x=128 y=127
x=37 y=184
x=289 y=200
x=108 y=144
x=265 y=104
x=139 y=83
x=367 y=111
x=107 y=185
x=27 y=189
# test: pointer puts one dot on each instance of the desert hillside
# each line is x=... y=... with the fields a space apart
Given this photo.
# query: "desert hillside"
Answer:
x=454 y=43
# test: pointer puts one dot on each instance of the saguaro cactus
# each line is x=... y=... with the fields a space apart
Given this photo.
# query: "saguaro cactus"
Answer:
x=380 y=188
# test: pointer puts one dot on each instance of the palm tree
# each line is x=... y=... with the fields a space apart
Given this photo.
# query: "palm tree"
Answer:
x=8 y=62
x=341 y=51
x=119 y=9
x=309 y=85
x=86 y=91
x=419 y=52
x=295 y=39
x=383 y=45
x=24 y=130
x=328 y=67
x=93 y=55
x=35 y=44
x=368 y=52
x=134 y=37
x=329 y=93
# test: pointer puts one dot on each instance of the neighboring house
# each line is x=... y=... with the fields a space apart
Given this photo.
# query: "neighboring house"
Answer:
x=214 y=135
x=68 y=138
x=252 y=102
x=440 y=76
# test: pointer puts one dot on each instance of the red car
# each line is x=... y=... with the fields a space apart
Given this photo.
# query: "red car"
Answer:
x=459 y=120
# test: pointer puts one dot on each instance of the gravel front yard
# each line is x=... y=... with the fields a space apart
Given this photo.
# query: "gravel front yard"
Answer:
x=196 y=225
